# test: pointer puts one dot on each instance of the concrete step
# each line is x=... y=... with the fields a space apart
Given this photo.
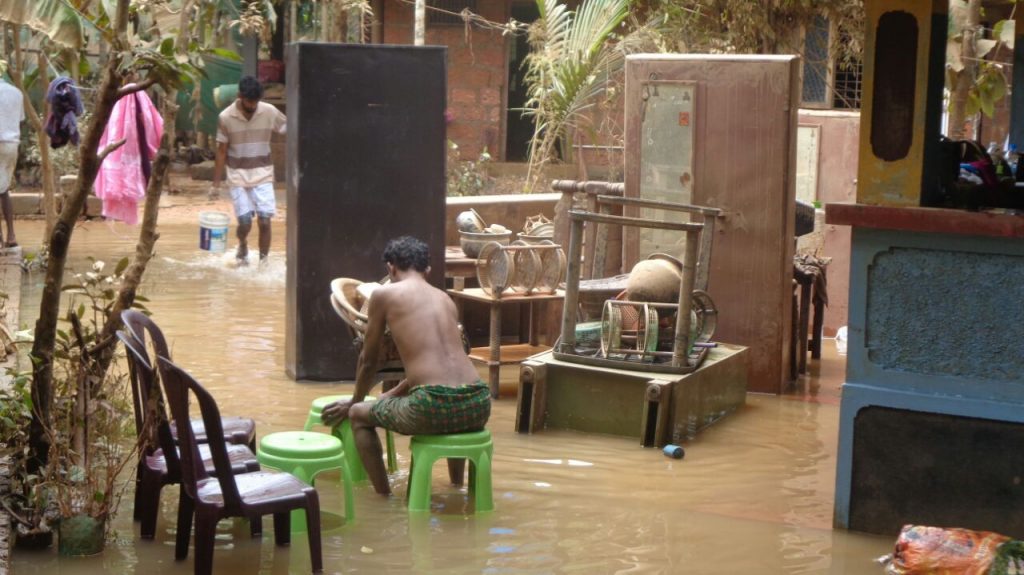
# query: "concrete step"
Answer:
x=31 y=204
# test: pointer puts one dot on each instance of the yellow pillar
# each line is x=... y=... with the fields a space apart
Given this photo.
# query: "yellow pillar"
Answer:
x=898 y=37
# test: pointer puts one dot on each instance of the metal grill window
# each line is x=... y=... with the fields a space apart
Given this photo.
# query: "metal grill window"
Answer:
x=816 y=60
x=849 y=83
x=446 y=12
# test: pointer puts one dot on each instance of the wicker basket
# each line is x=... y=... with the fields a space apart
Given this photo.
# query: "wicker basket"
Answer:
x=495 y=269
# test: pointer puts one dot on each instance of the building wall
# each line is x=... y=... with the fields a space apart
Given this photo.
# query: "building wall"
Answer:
x=477 y=73
x=837 y=183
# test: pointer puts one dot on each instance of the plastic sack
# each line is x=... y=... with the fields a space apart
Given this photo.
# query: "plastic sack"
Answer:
x=922 y=550
x=841 y=337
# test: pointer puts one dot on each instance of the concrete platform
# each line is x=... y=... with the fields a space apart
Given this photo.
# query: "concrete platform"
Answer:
x=656 y=408
x=31 y=204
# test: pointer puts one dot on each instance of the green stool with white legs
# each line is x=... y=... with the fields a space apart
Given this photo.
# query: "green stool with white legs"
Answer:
x=306 y=454
x=475 y=446
x=344 y=432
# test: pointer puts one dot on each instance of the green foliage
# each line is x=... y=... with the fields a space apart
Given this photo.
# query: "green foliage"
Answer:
x=469 y=177
x=58 y=20
x=27 y=499
x=91 y=296
x=573 y=53
x=92 y=421
x=64 y=160
x=742 y=26
x=258 y=18
x=975 y=76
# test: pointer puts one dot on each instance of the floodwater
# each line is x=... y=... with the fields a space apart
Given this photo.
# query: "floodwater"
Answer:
x=753 y=494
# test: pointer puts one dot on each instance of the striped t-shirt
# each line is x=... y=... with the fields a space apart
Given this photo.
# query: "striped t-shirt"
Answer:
x=249 y=163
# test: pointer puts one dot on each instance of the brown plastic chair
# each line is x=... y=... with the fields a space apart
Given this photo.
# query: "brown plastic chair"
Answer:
x=159 y=463
x=211 y=499
x=237 y=430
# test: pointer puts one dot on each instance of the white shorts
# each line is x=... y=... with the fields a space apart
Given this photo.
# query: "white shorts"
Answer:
x=259 y=199
x=8 y=160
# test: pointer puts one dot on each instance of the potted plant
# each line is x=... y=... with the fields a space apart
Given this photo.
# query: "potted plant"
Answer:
x=91 y=434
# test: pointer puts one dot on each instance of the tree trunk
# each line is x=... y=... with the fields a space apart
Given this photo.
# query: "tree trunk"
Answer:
x=143 y=251
x=970 y=24
x=150 y=214
x=60 y=238
x=17 y=74
x=49 y=198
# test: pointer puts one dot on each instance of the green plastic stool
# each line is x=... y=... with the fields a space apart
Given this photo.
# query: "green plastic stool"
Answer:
x=306 y=454
x=426 y=449
x=344 y=432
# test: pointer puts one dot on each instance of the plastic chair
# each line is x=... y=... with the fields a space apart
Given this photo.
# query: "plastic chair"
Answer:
x=159 y=463
x=238 y=430
x=356 y=470
x=211 y=499
x=306 y=454
x=475 y=446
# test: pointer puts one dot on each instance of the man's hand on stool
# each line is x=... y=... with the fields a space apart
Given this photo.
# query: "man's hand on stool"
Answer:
x=335 y=413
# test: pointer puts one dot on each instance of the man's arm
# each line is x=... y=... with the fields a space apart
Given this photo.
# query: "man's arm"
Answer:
x=218 y=165
x=280 y=123
x=398 y=391
x=367 y=366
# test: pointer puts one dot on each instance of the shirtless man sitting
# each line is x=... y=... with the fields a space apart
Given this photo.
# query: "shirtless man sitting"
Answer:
x=441 y=393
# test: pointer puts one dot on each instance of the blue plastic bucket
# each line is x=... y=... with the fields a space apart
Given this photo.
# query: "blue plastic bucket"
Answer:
x=213 y=231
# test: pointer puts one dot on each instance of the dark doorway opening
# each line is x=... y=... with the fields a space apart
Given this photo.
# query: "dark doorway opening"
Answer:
x=519 y=128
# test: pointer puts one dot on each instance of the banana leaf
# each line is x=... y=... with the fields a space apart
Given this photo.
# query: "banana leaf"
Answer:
x=54 y=18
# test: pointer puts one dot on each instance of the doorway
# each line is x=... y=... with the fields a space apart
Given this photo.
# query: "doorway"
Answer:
x=519 y=128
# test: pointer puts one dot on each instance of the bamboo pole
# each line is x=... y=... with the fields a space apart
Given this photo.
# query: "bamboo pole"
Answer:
x=420 y=19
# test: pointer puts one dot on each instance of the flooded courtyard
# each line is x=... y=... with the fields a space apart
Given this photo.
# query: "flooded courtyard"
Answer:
x=753 y=494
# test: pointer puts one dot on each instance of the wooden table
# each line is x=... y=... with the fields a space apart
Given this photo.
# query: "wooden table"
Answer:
x=458 y=266
x=492 y=355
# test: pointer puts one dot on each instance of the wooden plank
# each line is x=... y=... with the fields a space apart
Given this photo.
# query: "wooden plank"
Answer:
x=510 y=354
x=479 y=295
x=928 y=220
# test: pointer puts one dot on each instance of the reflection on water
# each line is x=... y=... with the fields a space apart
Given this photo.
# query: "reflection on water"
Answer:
x=754 y=493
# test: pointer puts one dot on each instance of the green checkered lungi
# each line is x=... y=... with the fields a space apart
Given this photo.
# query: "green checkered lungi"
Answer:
x=435 y=409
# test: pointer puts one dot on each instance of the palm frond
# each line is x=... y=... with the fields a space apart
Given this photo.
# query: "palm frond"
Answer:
x=571 y=58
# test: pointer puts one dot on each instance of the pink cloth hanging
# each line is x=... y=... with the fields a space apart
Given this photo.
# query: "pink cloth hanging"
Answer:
x=121 y=182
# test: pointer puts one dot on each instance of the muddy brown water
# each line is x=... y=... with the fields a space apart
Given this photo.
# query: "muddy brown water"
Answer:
x=753 y=494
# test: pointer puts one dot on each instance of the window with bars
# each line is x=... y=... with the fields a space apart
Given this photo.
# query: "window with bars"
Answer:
x=848 y=85
x=816 y=63
x=446 y=12
x=827 y=82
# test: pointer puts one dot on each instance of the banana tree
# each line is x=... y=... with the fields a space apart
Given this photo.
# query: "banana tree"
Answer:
x=572 y=55
x=59 y=20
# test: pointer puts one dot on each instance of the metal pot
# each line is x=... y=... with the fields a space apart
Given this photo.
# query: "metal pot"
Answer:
x=470 y=221
x=472 y=242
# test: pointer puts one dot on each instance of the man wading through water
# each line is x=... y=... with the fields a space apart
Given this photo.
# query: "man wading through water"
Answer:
x=243 y=143
x=441 y=392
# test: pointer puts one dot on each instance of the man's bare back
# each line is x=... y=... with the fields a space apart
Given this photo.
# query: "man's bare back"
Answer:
x=422 y=322
x=441 y=393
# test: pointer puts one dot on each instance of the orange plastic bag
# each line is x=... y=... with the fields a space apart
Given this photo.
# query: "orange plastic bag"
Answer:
x=924 y=550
